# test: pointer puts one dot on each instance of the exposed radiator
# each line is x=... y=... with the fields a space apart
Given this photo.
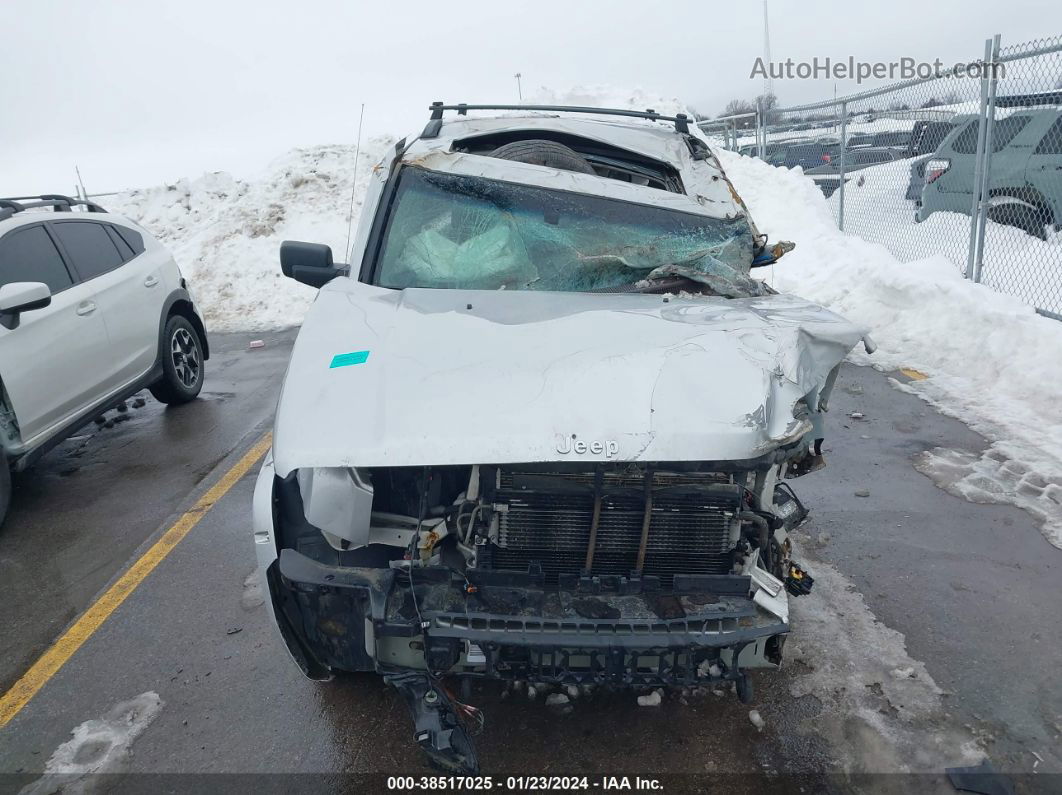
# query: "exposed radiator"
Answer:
x=546 y=519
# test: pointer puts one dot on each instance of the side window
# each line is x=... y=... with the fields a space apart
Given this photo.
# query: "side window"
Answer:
x=1006 y=129
x=29 y=255
x=118 y=240
x=1051 y=143
x=133 y=239
x=965 y=143
x=89 y=246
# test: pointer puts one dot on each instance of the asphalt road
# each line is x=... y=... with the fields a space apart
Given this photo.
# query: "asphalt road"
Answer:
x=81 y=513
x=969 y=586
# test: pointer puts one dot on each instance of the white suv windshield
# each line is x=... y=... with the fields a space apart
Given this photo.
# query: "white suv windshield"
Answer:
x=462 y=232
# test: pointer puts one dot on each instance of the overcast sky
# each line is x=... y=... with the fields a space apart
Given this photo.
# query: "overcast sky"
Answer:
x=137 y=93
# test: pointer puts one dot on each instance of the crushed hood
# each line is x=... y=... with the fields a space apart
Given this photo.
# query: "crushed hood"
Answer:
x=434 y=377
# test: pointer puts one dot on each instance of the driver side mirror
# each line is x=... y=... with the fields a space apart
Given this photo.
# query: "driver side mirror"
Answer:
x=309 y=263
x=18 y=297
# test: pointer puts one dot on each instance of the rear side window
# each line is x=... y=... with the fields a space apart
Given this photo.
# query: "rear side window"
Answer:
x=932 y=136
x=29 y=255
x=1051 y=143
x=965 y=143
x=118 y=240
x=89 y=247
x=1005 y=129
x=133 y=239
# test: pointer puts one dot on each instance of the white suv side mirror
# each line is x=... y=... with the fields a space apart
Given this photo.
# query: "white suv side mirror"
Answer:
x=18 y=297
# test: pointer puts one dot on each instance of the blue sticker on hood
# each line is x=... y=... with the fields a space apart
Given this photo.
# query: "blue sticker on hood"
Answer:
x=346 y=359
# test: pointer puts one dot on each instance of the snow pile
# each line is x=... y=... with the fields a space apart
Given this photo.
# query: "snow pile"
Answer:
x=225 y=233
x=992 y=361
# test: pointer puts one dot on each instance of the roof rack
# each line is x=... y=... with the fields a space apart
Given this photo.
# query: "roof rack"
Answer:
x=681 y=121
x=60 y=203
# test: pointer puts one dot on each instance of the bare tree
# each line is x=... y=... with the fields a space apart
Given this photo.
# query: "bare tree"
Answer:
x=736 y=107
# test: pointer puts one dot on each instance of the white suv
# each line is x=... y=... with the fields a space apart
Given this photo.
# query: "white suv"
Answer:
x=537 y=429
x=92 y=309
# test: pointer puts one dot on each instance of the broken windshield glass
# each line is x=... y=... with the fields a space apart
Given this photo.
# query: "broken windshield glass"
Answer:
x=463 y=232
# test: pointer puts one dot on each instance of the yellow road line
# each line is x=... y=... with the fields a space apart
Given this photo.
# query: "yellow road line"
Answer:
x=914 y=375
x=92 y=619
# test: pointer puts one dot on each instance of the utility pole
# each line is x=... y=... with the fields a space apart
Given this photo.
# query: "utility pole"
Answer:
x=81 y=182
x=768 y=83
x=519 y=89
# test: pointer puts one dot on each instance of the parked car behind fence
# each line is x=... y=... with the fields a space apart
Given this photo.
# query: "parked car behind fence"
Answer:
x=1025 y=186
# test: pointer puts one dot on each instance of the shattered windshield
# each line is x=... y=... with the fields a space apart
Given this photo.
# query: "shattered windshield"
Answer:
x=461 y=232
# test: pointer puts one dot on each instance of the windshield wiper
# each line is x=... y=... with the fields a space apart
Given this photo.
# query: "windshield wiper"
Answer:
x=661 y=284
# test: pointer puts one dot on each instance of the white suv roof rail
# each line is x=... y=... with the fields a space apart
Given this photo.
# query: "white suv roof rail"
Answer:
x=60 y=203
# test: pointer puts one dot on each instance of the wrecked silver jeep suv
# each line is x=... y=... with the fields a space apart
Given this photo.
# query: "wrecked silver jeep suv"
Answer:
x=538 y=429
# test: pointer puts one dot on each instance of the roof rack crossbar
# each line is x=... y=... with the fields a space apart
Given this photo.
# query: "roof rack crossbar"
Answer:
x=681 y=120
x=61 y=204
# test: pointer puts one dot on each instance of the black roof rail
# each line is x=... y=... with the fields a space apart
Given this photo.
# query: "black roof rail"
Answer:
x=681 y=121
x=1029 y=100
x=61 y=204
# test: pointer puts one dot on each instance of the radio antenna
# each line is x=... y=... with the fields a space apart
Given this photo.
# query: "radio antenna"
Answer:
x=354 y=184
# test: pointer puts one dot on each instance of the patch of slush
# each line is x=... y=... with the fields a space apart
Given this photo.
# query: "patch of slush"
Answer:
x=253 y=595
x=100 y=745
x=882 y=711
x=995 y=477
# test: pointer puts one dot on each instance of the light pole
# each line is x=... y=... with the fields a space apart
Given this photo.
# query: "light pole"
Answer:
x=519 y=90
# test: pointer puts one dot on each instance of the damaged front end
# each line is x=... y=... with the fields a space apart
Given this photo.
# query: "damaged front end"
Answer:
x=625 y=574
x=542 y=436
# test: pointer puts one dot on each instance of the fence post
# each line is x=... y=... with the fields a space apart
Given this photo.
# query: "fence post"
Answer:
x=975 y=207
x=986 y=169
x=840 y=167
x=761 y=131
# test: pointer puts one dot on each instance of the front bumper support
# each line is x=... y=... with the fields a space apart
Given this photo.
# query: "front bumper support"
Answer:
x=336 y=618
x=358 y=619
x=436 y=727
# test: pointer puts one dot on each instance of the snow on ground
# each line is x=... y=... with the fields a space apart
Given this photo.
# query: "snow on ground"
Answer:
x=991 y=360
x=225 y=233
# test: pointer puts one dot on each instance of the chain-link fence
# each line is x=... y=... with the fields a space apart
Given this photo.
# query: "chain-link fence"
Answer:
x=736 y=133
x=964 y=163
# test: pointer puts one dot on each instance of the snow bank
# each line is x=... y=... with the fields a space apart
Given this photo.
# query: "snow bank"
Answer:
x=225 y=233
x=992 y=361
